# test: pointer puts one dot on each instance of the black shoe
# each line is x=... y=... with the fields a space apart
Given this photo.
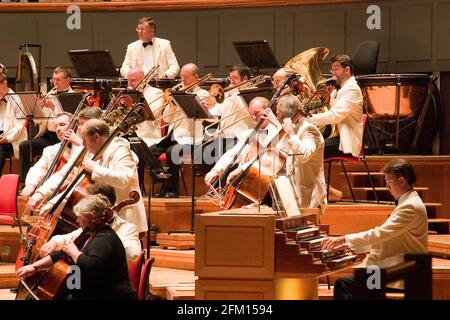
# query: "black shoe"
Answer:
x=160 y=194
x=170 y=195
x=198 y=171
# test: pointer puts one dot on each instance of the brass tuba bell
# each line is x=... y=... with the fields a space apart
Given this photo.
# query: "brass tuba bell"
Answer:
x=307 y=64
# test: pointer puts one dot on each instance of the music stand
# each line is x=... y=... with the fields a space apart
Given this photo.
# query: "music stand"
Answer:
x=192 y=108
x=28 y=105
x=69 y=101
x=249 y=94
x=93 y=63
x=256 y=54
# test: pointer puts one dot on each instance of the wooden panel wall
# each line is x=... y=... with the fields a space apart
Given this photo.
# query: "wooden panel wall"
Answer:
x=413 y=35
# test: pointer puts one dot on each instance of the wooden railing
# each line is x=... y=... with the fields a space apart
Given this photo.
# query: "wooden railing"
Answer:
x=157 y=5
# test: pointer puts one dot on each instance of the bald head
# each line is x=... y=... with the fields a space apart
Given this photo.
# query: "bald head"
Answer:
x=279 y=77
x=256 y=108
x=189 y=74
x=134 y=76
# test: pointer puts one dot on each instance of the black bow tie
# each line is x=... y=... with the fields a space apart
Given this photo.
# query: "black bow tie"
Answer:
x=144 y=44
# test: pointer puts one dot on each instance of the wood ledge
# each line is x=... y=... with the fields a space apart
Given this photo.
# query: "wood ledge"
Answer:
x=158 y=5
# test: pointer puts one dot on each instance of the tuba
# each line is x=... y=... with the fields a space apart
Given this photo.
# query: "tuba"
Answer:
x=307 y=64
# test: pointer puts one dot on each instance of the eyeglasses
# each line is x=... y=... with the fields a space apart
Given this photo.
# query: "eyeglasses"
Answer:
x=141 y=29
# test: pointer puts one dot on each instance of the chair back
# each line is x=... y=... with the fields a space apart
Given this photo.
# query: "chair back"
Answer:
x=145 y=275
x=134 y=270
x=9 y=183
x=365 y=58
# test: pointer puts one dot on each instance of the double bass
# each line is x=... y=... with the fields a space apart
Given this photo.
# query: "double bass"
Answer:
x=52 y=284
x=253 y=184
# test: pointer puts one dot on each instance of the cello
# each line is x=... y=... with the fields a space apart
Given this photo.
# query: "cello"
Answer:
x=60 y=218
x=253 y=184
x=51 y=284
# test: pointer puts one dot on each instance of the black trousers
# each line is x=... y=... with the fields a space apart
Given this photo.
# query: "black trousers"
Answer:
x=332 y=148
x=344 y=288
x=37 y=146
x=6 y=151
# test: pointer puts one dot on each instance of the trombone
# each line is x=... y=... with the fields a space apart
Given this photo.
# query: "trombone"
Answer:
x=143 y=84
x=178 y=88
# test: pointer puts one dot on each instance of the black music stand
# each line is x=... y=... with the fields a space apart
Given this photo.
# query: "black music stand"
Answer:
x=249 y=94
x=192 y=108
x=256 y=54
x=27 y=105
x=93 y=63
x=69 y=101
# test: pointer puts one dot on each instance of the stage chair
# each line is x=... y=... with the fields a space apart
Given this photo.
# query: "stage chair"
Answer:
x=365 y=58
x=9 y=184
x=145 y=276
x=342 y=159
x=134 y=270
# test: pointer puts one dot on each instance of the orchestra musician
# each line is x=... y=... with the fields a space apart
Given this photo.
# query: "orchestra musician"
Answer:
x=268 y=131
x=147 y=131
x=101 y=259
x=3 y=69
x=232 y=110
x=150 y=51
x=127 y=232
x=305 y=144
x=405 y=230
x=179 y=139
x=46 y=135
x=116 y=167
x=12 y=130
x=39 y=170
x=346 y=110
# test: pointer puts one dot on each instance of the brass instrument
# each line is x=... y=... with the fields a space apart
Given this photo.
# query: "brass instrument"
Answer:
x=144 y=83
x=179 y=88
x=307 y=64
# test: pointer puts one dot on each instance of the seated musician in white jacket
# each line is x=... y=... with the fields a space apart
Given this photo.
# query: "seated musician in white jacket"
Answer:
x=243 y=154
x=405 y=231
x=179 y=139
x=126 y=231
x=40 y=169
x=303 y=146
x=116 y=167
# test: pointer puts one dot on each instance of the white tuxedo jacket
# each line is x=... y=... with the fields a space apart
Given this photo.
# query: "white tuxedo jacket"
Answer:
x=346 y=109
x=161 y=52
x=405 y=231
x=304 y=165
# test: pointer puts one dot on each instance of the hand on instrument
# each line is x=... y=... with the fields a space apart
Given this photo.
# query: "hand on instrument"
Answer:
x=72 y=251
x=234 y=174
x=89 y=165
x=288 y=126
x=47 y=248
x=35 y=200
x=333 y=243
x=3 y=139
x=211 y=177
x=269 y=115
x=27 y=191
x=71 y=136
x=26 y=271
x=49 y=103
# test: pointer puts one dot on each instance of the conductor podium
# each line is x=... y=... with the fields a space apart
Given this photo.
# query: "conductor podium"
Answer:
x=243 y=254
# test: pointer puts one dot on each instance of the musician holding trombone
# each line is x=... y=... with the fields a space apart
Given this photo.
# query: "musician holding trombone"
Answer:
x=179 y=139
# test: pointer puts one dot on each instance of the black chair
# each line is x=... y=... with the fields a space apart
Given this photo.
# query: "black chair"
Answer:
x=365 y=58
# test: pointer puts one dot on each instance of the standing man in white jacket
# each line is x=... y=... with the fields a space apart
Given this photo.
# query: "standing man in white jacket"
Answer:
x=405 y=231
x=150 y=51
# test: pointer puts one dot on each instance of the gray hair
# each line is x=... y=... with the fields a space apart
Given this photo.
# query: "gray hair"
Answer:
x=92 y=203
x=289 y=105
